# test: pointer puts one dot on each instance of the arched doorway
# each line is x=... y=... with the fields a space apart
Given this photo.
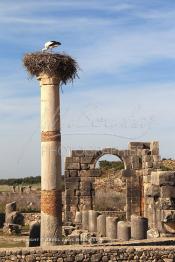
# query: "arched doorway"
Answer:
x=81 y=173
x=110 y=187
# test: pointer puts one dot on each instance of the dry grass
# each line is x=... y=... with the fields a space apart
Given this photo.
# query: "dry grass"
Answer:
x=53 y=64
x=110 y=201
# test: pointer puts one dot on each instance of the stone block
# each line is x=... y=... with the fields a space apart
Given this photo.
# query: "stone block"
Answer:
x=146 y=152
x=86 y=160
x=84 y=166
x=139 y=152
x=154 y=147
x=77 y=192
x=167 y=191
x=90 y=173
x=74 y=201
x=72 y=179
x=73 y=173
x=147 y=158
x=89 y=179
x=66 y=174
x=10 y=207
x=127 y=172
x=84 y=173
x=85 y=185
x=163 y=178
x=147 y=172
x=86 y=202
x=91 y=153
x=157 y=165
x=126 y=153
x=78 y=217
x=77 y=153
x=72 y=160
x=149 y=164
x=151 y=190
x=72 y=166
x=110 y=151
x=153 y=233
x=141 y=145
x=135 y=162
x=156 y=158
x=86 y=192
x=72 y=185
x=146 y=179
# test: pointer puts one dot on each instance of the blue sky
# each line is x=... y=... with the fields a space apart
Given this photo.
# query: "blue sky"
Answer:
x=126 y=53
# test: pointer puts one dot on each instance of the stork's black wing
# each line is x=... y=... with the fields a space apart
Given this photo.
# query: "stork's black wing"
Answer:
x=55 y=43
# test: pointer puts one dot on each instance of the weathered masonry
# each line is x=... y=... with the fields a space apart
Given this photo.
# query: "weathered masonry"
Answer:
x=139 y=159
x=108 y=253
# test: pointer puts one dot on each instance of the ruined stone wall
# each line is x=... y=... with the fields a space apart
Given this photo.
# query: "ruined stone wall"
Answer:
x=159 y=194
x=80 y=174
x=104 y=254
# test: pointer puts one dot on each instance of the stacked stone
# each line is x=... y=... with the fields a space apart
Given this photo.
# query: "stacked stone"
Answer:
x=160 y=202
x=80 y=174
x=13 y=219
x=79 y=178
x=139 y=160
x=109 y=253
x=145 y=155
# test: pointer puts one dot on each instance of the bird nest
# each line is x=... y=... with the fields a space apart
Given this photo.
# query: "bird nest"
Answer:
x=61 y=65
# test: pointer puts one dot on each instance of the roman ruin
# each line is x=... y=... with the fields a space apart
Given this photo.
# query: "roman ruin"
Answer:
x=149 y=190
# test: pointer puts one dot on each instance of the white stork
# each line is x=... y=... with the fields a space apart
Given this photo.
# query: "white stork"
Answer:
x=50 y=45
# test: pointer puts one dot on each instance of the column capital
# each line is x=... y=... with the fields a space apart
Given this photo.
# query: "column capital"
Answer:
x=46 y=79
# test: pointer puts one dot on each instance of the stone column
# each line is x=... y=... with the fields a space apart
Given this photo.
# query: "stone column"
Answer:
x=92 y=221
x=101 y=225
x=85 y=220
x=51 y=197
x=111 y=227
x=123 y=231
x=139 y=227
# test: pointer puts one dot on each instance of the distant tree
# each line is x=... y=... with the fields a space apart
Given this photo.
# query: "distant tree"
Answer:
x=19 y=181
x=116 y=165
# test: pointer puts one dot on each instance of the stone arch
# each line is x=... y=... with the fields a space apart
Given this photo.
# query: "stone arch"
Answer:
x=121 y=154
x=80 y=173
